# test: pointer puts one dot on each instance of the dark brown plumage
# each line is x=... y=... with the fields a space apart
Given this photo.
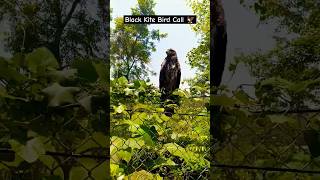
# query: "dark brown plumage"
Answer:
x=170 y=72
x=170 y=75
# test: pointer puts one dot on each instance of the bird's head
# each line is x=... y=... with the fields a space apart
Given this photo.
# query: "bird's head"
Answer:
x=170 y=52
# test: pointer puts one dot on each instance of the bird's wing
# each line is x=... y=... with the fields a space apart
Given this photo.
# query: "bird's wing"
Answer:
x=178 y=78
x=162 y=76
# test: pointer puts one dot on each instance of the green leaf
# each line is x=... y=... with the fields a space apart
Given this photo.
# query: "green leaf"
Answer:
x=102 y=71
x=18 y=60
x=264 y=162
x=9 y=73
x=51 y=177
x=60 y=76
x=291 y=86
x=116 y=144
x=163 y=162
x=149 y=135
x=276 y=81
x=122 y=81
x=164 y=117
x=59 y=95
x=125 y=155
x=115 y=170
x=48 y=161
x=135 y=143
x=58 y=172
x=302 y=157
x=223 y=100
x=175 y=149
x=86 y=70
x=101 y=139
x=157 y=118
x=136 y=84
x=29 y=152
x=3 y=167
x=151 y=131
x=100 y=171
x=143 y=175
x=242 y=97
x=280 y=118
x=128 y=91
x=88 y=163
x=98 y=140
x=77 y=173
x=3 y=94
x=147 y=138
x=160 y=110
x=41 y=59
x=189 y=156
x=139 y=117
x=302 y=86
x=140 y=106
x=180 y=93
x=17 y=161
x=119 y=109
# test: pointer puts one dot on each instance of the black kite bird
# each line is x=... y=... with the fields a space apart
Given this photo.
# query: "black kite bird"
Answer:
x=170 y=75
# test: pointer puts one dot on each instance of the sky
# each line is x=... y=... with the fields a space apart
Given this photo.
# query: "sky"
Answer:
x=245 y=34
x=180 y=37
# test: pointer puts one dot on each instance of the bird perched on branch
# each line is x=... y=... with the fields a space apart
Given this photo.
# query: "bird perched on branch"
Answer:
x=170 y=75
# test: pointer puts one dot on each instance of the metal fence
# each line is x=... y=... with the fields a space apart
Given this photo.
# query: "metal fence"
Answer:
x=269 y=145
x=175 y=147
x=255 y=145
x=68 y=155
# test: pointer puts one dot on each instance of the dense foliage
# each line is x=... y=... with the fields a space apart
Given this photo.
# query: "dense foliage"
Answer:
x=66 y=28
x=198 y=57
x=132 y=45
x=146 y=141
x=298 y=53
x=45 y=109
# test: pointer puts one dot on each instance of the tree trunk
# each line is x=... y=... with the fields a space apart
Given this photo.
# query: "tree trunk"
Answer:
x=60 y=26
x=104 y=6
x=55 y=45
x=218 y=47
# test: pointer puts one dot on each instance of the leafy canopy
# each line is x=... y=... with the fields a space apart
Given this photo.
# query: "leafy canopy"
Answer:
x=66 y=28
x=132 y=45
x=294 y=60
x=198 y=57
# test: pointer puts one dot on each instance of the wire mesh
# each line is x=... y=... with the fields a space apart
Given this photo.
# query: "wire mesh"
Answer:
x=256 y=146
x=161 y=146
x=268 y=145
x=76 y=151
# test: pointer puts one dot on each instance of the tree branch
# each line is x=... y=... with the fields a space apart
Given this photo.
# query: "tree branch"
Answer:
x=134 y=57
x=69 y=15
